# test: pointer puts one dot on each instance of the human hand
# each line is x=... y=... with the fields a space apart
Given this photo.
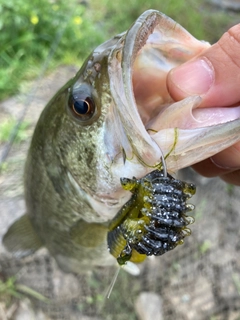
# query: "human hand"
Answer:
x=215 y=76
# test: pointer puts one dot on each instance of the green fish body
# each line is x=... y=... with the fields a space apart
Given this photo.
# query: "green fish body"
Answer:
x=114 y=119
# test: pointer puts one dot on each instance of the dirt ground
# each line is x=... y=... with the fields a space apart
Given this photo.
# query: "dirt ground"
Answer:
x=196 y=281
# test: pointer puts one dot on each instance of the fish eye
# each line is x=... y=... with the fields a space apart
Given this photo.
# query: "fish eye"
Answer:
x=81 y=106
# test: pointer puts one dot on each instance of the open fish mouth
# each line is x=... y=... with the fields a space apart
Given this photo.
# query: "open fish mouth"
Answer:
x=182 y=131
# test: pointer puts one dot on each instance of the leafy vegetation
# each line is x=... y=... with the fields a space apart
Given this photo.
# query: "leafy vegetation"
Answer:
x=10 y=289
x=7 y=126
x=197 y=16
x=29 y=30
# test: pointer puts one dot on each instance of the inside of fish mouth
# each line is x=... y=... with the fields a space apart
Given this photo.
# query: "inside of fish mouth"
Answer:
x=149 y=83
x=149 y=79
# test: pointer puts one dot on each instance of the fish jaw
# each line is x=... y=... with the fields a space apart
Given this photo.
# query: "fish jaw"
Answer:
x=140 y=55
x=152 y=124
x=187 y=134
x=183 y=148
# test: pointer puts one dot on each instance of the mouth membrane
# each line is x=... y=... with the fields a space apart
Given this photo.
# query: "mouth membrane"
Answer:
x=161 y=52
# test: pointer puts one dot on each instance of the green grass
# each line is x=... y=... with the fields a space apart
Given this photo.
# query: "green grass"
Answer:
x=200 y=19
x=29 y=29
x=236 y=281
x=10 y=289
x=205 y=246
x=6 y=128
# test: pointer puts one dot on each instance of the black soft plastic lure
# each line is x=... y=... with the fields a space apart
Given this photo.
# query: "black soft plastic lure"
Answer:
x=154 y=220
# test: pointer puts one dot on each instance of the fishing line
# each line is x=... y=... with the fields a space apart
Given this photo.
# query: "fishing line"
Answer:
x=130 y=268
x=110 y=288
x=164 y=165
x=33 y=91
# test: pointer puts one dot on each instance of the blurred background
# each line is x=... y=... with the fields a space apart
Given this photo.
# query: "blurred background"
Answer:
x=43 y=43
x=28 y=29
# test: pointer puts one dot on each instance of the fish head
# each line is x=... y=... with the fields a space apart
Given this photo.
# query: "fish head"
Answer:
x=118 y=119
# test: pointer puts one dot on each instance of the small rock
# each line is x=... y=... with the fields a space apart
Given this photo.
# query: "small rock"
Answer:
x=148 y=306
x=24 y=311
x=193 y=299
x=3 y=311
x=66 y=286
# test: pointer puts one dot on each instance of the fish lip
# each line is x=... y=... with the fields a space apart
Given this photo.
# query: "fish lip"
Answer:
x=110 y=201
x=170 y=141
x=152 y=31
x=104 y=206
x=130 y=129
x=137 y=141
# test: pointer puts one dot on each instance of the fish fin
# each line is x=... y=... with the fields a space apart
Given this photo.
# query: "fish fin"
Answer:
x=21 y=239
x=88 y=234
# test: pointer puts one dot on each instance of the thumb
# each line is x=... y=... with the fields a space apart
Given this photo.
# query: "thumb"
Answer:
x=215 y=74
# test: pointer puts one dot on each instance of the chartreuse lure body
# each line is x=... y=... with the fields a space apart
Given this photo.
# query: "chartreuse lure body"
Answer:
x=154 y=220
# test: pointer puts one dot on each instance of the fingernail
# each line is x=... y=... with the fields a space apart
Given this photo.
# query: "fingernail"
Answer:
x=195 y=77
x=227 y=159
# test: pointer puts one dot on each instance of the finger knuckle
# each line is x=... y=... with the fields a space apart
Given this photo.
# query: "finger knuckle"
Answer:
x=230 y=44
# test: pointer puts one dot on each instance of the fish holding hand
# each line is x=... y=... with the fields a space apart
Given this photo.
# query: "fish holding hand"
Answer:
x=116 y=119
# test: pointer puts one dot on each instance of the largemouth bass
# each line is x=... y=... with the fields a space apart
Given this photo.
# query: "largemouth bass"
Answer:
x=114 y=119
